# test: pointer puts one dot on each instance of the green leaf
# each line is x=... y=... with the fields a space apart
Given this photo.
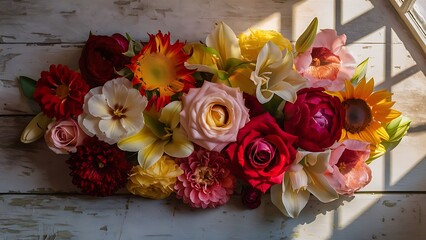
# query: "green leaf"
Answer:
x=157 y=127
x=28 y=86
x=360 y=72
x=125 y=72
x=273 y=104
x=134 y=47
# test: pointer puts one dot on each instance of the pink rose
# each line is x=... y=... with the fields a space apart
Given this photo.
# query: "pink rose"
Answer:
x=326 y=63
x=213 y=114
x=64 y=136
x=348 y=171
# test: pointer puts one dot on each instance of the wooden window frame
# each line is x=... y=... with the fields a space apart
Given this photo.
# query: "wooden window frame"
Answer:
x=405 y=11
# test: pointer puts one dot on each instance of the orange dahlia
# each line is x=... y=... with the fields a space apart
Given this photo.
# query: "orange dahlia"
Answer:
x=159 y=70
x=366 y=112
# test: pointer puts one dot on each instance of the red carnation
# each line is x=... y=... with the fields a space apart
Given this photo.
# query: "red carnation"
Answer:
x=60 y=92
x=98 y=168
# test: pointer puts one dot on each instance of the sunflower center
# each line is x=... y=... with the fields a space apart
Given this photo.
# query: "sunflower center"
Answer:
x=204 y=175
x=325 y=64
x=62 y=91
x=358 y=115
x=157 y=72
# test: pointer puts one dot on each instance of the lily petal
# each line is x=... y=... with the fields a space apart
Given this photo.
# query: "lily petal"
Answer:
x=224 y=40
x=170 y=114
x=150 y=154
x=321 y=188
x=180 y=146
x=134 y=143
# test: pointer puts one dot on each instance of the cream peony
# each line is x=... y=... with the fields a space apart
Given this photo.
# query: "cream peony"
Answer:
x=113 y=111
x=213 y=114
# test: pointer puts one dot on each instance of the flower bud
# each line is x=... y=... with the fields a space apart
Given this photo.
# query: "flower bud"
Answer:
x=305 y=40
x=35 y=129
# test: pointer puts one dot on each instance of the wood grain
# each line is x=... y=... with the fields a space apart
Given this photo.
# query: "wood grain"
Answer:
x=121 y=217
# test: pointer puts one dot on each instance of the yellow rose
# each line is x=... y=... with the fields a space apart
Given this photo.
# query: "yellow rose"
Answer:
x=253 y=41
x=155 y=182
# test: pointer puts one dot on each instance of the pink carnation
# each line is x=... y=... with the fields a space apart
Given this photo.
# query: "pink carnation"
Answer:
x=326 y=63
x=348 y=171
x=206 y=182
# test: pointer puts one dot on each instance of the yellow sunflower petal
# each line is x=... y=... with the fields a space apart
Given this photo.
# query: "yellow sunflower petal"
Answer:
x=378 y=96
x=359 y=89
x=379 y=130
x=368 y=89
x=349 y=90
x=385 y=116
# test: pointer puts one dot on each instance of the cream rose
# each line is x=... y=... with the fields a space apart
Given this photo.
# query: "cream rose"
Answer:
x=64 y=136
x=213 y=114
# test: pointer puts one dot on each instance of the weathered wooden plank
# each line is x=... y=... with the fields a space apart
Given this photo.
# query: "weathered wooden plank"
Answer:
x=47 y=21
x=391 y=216
x=29 y=168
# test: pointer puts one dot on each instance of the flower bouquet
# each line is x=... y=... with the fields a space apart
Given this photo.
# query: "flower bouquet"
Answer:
x=232 y=115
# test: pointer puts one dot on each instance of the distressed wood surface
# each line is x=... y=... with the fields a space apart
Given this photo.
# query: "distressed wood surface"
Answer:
x=366 y=216
x=38 y=201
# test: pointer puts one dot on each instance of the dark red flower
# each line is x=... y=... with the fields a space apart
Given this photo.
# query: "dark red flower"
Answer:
x=98 y=168
x=251 y=197
x=316 y=118
x=60 y=92
x=101 y=56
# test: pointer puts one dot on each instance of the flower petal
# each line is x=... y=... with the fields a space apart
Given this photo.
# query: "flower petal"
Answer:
x=138 y=141
x=98 y=107
x=321 y=188
x=150 y=154
x=170 y=114
x=180 y=146
x=224 y=40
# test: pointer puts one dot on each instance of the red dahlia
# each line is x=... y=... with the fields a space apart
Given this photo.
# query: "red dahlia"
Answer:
x=98 y=168
x=60 y=92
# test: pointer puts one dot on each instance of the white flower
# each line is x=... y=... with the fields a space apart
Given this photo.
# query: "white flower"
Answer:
x=304 y=176
x=274 y=74
x=113 y=111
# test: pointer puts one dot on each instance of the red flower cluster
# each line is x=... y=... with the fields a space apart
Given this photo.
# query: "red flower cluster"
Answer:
x=60 y=92
x=98 y=168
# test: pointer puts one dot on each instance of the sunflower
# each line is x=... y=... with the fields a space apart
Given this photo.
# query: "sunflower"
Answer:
x=159 y=70
x=366 y=112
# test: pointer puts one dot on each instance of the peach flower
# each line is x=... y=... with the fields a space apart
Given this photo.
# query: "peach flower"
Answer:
x=348 y=171
x=213 y=114
x=327 y=63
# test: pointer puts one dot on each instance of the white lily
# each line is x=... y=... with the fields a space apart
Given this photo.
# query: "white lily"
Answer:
x=305 y=176
x=274 y=74
x=159 y=137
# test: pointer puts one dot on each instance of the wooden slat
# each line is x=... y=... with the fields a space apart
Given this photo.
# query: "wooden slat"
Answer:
x=63 y=21
x=70 y=217
x=33 y=168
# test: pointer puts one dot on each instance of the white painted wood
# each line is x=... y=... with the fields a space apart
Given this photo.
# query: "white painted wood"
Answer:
x=47 y=21
x=367 y=216
x=35 y=34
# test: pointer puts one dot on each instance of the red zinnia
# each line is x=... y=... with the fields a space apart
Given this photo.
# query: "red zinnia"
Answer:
x=98 y=168
x=60 y=92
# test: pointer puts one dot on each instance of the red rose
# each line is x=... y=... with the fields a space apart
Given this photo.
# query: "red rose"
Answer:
x=316 y=118
x=251 y=197
x=101 y=56
x=60 y=92
x=262 y=153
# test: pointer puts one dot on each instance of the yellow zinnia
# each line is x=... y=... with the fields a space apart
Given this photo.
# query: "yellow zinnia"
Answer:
x=366 y=112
